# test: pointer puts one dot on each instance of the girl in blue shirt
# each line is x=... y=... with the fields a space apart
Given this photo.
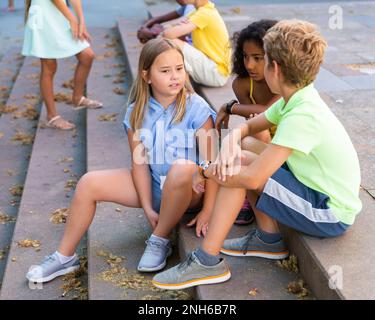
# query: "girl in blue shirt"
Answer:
x=164 y=123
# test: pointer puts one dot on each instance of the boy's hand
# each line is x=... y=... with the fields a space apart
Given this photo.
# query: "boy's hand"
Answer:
x=222 y=119
x=229 y=160
x=201 y=223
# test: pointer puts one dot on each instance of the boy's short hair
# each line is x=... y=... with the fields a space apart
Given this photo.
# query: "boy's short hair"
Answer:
x=298 y=48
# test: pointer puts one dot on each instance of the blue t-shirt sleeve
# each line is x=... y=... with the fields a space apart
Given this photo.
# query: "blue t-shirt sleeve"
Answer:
x=201 y=111
x=181 y=10
x=126 y=121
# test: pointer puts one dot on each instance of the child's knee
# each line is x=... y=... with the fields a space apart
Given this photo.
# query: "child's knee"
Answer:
x=181 y=171
x=86 y=185
x=49 y=67
x=87 y=57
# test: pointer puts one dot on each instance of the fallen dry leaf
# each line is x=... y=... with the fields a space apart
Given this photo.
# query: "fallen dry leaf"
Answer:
x=118 y=80
x=27 y=243
x=299 y=288
x=66 y=159
x=289 y=264
x=70 y=184
x=108 y=117
x=69 y=84
x=16 y=190
x=119 y=91
x=236 y=10
x=63 y=97
x=73 y=284
x=26 y=139
x=4 y=218
x=8 y=108
x=59 y=215
x=253 y=292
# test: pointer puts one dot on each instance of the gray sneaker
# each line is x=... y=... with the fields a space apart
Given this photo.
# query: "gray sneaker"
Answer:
x=191 y=273
x=251 y=246
x=155 y=256
x=50 y=268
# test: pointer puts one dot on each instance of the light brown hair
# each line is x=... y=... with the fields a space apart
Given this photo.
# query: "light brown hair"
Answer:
x=141 y=90
x=298 y=48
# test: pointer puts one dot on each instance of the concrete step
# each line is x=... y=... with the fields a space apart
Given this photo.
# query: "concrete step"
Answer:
x=116 y=230
x=265 y=280
x=10 y=64
x=14 y=155
x=57 y=157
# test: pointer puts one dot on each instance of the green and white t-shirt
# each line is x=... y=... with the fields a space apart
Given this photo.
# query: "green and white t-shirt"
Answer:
x=323 y=156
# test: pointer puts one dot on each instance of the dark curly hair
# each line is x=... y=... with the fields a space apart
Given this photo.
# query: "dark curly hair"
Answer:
x=253 y=32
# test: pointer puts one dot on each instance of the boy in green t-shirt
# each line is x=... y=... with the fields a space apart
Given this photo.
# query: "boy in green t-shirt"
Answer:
x=307 y=178
x=208 y=60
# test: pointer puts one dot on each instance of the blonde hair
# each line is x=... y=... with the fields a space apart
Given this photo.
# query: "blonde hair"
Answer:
x=27 y=8
x=140 y=91
x=298 y=48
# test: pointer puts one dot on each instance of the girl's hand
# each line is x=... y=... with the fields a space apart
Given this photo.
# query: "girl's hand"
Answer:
x=153 y=218
x=83 y=34
x=229 y=160
x=222 y=119
x=198 y=183
x=201 y=223
x=74 y=27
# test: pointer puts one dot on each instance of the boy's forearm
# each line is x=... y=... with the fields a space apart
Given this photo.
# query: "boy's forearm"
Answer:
x=246 y=178
x=63 y=8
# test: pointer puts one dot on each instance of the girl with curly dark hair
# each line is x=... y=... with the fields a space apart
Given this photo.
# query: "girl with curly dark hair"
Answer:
x=251 y=89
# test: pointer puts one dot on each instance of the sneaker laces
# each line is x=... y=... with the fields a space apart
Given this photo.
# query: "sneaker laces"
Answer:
x=187 y=262
x=152 y=245
x=48 y=259
x=249 y=235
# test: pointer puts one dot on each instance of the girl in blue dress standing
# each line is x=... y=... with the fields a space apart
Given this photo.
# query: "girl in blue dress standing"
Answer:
x=53 y=32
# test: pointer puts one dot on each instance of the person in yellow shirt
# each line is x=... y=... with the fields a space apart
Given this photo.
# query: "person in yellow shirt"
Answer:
x=208 y=60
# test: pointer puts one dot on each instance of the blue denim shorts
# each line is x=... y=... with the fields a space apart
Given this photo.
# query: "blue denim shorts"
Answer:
x=156 y=195
x=295 y=205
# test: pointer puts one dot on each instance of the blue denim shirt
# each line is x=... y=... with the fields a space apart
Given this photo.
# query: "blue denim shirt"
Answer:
x=165 y=141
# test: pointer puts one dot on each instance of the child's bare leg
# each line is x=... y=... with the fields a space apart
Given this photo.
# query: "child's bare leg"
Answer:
x=85 y=60
x=48 y=71
x=105 y=185
x=177 y=197
x=224 y=214
x=264 y=222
